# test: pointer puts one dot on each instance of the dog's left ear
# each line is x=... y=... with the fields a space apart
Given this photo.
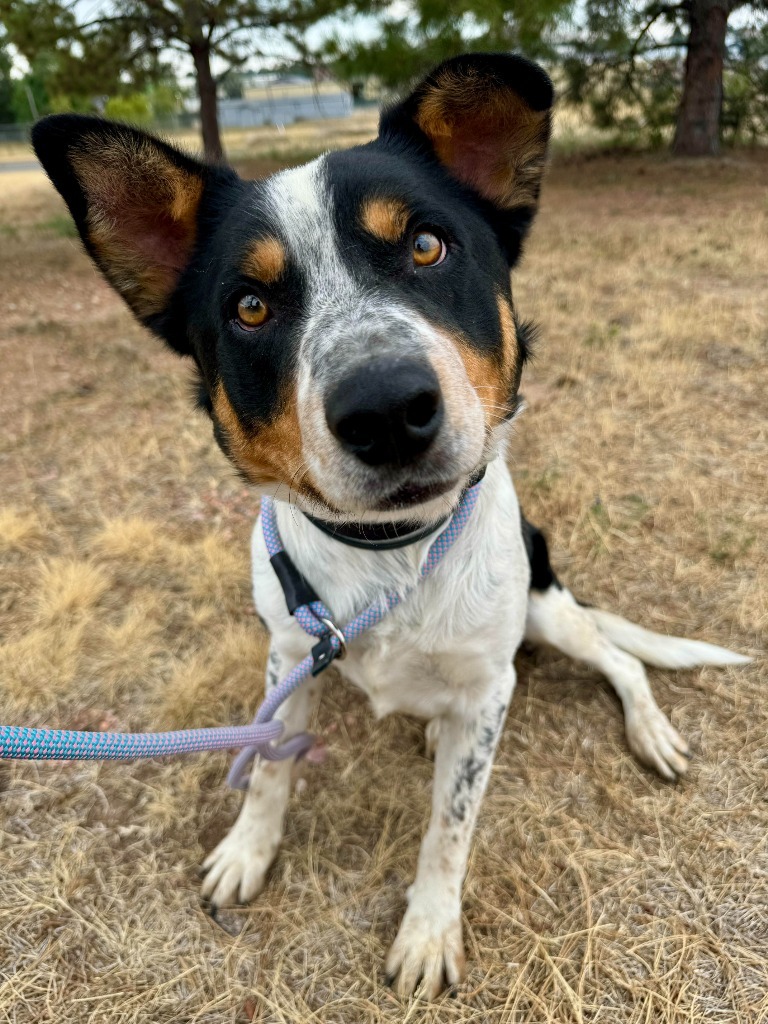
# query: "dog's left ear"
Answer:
x=136 y=203
x=486 y=117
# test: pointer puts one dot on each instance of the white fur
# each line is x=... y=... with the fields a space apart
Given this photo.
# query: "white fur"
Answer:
x=658 y=650
x=461 y=612
x=444 y=655
x=300 y=202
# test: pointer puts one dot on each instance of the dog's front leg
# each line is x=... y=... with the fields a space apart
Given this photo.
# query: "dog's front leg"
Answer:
x=237 y=868
x=429 y=948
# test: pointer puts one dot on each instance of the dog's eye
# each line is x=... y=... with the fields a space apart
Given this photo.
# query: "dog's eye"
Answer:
x=428 y=249
x=252 y=312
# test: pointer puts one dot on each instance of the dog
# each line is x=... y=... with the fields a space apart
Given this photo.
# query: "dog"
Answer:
x=357 y=348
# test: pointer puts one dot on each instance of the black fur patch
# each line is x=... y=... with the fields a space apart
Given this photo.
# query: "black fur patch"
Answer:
x=469 y=769
x=542 y=574
x=527 y=337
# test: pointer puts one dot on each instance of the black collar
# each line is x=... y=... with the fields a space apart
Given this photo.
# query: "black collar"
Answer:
x=385 y=536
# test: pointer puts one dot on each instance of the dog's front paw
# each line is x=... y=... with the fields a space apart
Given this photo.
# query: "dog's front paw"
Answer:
x=654 y=740
x=427 y=953
x=237 y=868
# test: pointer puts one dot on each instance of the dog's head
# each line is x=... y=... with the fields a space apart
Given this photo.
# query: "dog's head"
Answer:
x=351 y=320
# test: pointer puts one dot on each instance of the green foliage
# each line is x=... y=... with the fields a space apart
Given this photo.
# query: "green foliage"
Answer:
x=69 y=103
x=164 y=99
x=134 y=108
x=36 y=81
x=143 y=108
x=626 y=66
x=14 y=92
x=622 y=60
x=7 y=108
x=63 y=226
x=38 y=27
x=432 y=30
x=76 y=66
x=745 y=105
x=112 y=50
x=615 y=68
x=232 y=86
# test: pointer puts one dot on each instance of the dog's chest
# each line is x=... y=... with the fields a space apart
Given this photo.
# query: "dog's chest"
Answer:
x=396 y=675
x=453 y=632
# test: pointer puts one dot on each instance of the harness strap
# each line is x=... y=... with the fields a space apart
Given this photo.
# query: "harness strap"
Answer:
x=297 y=589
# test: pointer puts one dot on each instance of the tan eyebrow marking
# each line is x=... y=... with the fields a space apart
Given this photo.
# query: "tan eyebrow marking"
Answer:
x=265 y=260
x=386 y=219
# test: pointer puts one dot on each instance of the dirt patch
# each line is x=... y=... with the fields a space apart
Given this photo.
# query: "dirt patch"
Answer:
x=595 y=891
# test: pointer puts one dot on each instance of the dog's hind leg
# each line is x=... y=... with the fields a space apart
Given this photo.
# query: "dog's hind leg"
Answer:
x=237 y=868
x=615 y=646
x=554 y=618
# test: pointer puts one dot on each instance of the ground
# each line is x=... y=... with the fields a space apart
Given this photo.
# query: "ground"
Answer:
x=595 y=892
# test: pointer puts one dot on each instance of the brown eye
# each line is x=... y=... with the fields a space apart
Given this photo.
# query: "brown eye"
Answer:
x=428 y=249
x=252 y=312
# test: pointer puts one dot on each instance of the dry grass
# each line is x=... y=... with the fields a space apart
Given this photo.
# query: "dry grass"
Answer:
x=310 y=137
x=595 y=891
x=10 y=152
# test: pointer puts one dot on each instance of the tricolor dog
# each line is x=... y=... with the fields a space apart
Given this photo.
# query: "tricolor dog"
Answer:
x=358 y=350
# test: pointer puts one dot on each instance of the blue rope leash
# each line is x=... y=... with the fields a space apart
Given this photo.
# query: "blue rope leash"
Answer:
x=21 y=743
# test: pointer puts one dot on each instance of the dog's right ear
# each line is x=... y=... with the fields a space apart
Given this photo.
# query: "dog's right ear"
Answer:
x=486 y=118
x=135 y=201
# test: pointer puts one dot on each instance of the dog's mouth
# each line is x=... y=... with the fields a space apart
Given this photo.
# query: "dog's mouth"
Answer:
x=414 y=493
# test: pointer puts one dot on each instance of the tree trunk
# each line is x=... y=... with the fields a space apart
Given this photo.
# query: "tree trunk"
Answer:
x=206 y=91
x=698 y=118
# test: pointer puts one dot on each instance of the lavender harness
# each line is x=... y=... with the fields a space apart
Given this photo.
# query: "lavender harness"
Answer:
x=20 y=743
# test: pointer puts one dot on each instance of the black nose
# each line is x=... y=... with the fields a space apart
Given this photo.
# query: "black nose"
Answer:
x=387 y=410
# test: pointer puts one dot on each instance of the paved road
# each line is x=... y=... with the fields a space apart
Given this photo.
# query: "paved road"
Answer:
x=19 y=165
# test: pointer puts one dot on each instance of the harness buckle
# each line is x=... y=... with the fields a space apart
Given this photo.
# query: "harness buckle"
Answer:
x=323 y=653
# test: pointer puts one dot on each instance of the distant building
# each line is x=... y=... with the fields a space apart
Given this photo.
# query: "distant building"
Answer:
x=269 y=99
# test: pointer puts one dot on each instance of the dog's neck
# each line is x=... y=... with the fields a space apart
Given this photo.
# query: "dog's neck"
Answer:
x=385 y=536
x=348 y=578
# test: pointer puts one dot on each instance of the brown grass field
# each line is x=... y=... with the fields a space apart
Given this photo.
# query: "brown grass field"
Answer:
x=596 y=892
